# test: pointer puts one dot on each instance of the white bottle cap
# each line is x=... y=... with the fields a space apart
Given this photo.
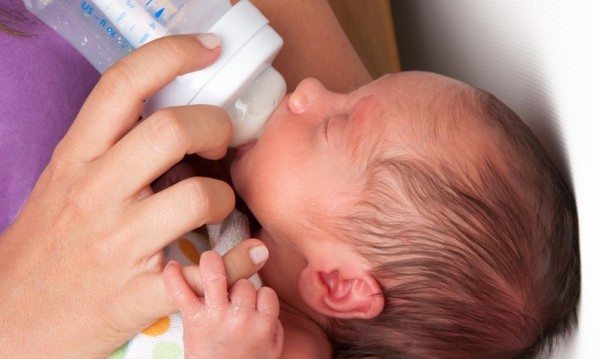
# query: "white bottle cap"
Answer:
x=248 y=47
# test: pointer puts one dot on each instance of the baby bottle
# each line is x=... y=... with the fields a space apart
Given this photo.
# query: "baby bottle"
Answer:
x=242 y=80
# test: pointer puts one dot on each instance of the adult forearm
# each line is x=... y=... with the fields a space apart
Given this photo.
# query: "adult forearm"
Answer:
x=315 y=44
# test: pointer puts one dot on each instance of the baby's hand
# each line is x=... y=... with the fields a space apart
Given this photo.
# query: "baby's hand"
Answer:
x=244 y=324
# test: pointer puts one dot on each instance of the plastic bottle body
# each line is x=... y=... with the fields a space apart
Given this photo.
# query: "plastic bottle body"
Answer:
x=103 y=31
x=84 y=27
x=241 y=81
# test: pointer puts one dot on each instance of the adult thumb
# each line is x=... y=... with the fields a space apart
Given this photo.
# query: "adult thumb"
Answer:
x=242 y=261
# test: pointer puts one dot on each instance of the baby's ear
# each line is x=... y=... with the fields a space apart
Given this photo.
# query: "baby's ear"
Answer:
x=331 y=293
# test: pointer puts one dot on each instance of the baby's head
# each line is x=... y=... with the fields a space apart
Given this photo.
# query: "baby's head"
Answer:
x=414 y=217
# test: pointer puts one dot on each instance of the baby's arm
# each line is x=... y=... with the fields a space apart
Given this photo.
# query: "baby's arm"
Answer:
x=243 y=324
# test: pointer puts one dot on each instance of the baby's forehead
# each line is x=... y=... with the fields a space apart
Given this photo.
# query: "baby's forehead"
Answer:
x=423 y=114
x=401 y=105
x=417 y=94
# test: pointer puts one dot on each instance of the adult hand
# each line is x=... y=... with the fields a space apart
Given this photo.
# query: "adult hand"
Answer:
x=80 y=269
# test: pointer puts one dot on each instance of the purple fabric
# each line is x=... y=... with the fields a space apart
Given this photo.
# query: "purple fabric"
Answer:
x=43 y=83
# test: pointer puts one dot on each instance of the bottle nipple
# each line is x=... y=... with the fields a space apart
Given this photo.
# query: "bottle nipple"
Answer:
x=250 y=112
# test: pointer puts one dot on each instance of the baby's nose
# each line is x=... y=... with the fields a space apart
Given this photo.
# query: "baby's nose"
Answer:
x=311 y=93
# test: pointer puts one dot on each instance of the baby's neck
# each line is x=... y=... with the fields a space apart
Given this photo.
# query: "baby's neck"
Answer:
x=303 y=338
x=303 y=328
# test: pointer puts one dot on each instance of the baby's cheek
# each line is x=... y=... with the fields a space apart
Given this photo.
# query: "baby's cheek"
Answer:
x=271 y=203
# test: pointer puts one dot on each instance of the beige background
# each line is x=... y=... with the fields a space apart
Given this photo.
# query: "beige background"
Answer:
x=370 y=28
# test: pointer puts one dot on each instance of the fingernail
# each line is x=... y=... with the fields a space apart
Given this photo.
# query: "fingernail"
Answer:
x=210 y=41
x=258 y=255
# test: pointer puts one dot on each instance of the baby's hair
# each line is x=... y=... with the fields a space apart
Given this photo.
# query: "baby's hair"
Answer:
x=483 y=264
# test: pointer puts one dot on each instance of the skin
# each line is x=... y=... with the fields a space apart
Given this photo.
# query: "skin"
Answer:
x=297 y=177
x=92 y=205
x=213 y=324
x=93 y=210
x=315 y=45
x=305 y=170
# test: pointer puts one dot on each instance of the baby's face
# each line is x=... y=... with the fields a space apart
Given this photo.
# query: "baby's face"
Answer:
x=312 y=153
x=310 y=163
x=304 y=161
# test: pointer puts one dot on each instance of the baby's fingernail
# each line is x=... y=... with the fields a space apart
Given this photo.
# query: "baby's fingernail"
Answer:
x=210 y=41
x=258 y=255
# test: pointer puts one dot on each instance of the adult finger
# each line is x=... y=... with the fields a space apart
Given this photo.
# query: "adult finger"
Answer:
x=245 y=259
x=146 y=299
x=242 y=261
x=243 y=294
x=161 y=141
x=167 y=215
x=238 y=264
x=179 y=292
x=115 y=104
x=214 y=280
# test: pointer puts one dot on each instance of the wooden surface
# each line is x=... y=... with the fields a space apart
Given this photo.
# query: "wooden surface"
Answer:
x=369 y=25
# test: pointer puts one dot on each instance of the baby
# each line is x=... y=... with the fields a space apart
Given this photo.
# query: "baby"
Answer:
x=416 y=217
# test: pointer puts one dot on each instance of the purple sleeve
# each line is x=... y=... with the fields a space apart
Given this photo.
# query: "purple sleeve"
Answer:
x=43 y=83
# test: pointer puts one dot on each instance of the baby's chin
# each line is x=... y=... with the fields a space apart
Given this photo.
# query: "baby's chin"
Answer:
x=237 y=177
x=242 y=171
x=239 y=168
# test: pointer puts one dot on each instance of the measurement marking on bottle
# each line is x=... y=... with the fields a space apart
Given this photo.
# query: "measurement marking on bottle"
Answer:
x=89 y=10
x=162 y=10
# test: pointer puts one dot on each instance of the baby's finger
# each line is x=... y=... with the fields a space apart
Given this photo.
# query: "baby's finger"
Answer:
x=214 y=280
x=180 y=293
x=278 y=345
x=239 y=264
x=267 y=302
x=243 y=294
